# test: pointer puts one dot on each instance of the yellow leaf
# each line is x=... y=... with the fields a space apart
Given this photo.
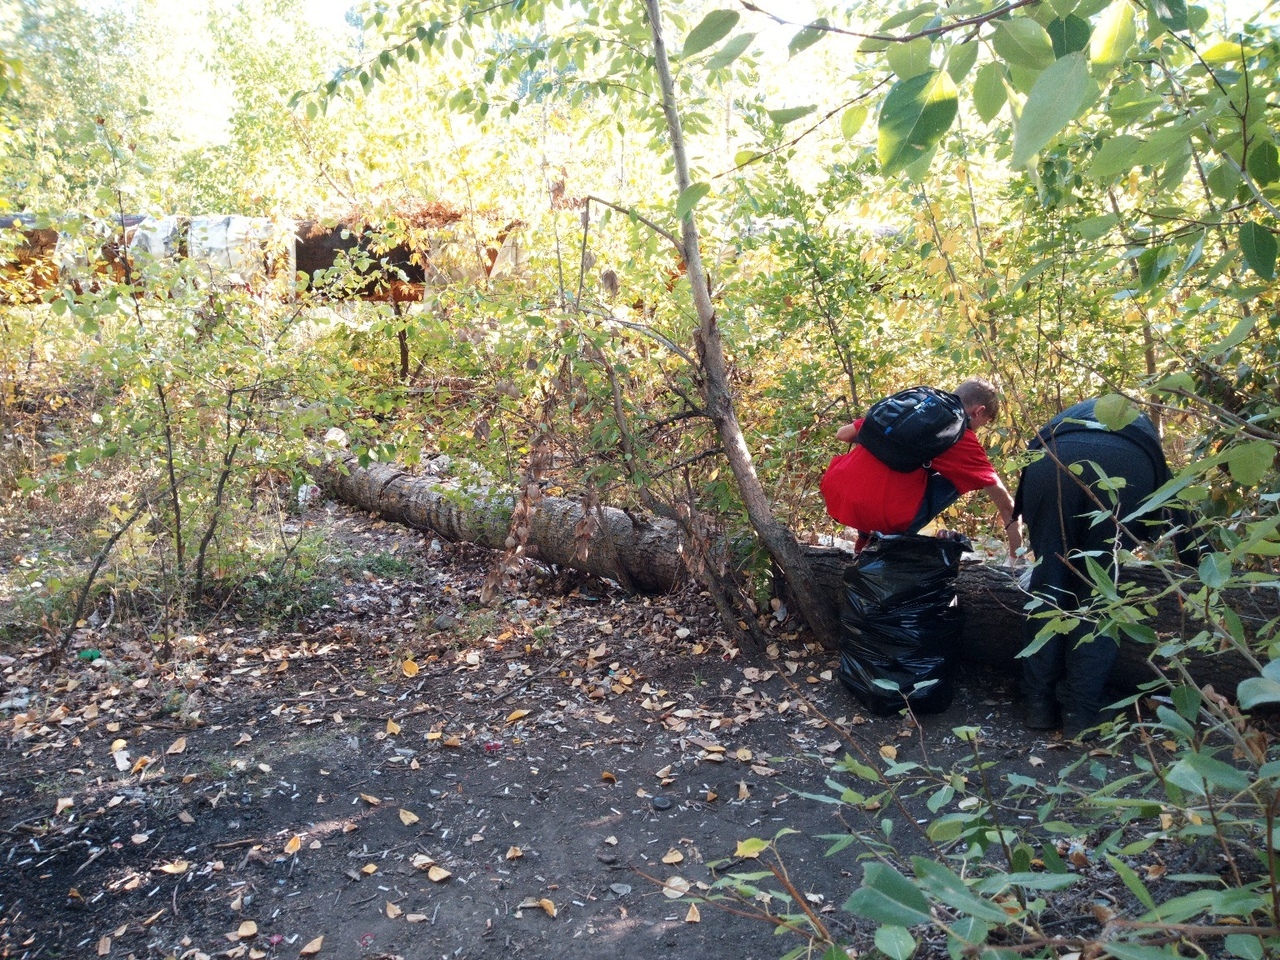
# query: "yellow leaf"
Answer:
x=175 y=868
x=437 y=874
x=673 y=856
x=369 y=869
x=434 y=735
x=393 y=911
x=889 y=752
x=515 y=853
x=247 y=929
x=63 y=804
x=408 y=818
x=453 y=742
x=118 y=744
x=693 y=916
x=515 y=715
x=547 y=906
x=312 y=948
x=392 y=727
x=370 y=800
x=178 y=746
x=293 y=846
x=608 y=777
x=409 y=668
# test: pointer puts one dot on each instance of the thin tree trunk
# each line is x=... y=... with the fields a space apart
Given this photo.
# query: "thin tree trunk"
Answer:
x=774 y=535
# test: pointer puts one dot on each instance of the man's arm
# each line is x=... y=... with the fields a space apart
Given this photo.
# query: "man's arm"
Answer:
x=999 y=495
x=848 y=433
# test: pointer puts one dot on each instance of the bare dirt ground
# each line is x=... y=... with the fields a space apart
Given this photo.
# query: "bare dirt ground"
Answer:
x=411 y=774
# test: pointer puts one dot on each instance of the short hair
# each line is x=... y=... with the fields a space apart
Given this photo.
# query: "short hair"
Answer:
x=976 y=392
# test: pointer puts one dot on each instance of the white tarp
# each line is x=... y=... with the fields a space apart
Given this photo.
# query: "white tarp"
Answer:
x=244 y=251
x=156 y=237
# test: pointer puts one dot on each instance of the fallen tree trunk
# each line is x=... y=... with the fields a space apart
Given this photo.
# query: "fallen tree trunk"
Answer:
x=648 y=553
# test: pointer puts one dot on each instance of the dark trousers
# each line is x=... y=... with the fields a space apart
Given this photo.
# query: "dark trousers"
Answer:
x=1063 y=521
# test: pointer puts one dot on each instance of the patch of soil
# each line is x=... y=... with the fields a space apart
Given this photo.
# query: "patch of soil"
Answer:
x=414 y=775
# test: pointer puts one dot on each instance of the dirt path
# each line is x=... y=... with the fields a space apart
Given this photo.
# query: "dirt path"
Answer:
x=413 y=775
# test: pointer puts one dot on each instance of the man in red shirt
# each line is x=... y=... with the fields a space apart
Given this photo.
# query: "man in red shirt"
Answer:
x=863 y=493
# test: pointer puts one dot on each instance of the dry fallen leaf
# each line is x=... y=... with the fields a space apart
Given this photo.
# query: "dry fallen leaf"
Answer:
x=186 y=818
x=416 y=917
x=312 y=948
x=744 y=792
x=175 y=868
x=515 y=715
x=547 y=906
x=693 y=916
x=675 y=888
x=608 y=777
x=393 y=911
x=673 y=856
x=408 y=818
x=421 y=861
x=293 y=846
x=889 y=752
x=369 y=869
x=438 y=874
x=392 y=727
x=515 y=853
x=409 y=668
x=104 y=947
x=370 y=800
x=247 y=929
x=63 y=804
x=244 y=738
x=178 y=746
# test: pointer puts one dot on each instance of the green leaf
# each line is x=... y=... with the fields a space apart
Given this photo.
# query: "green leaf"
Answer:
x=689 y=198
x=1264 y=162
x=909 y=59
x=1115 y=411
x=713 y=28
x=1224 y=180
x=888 y=897
x=1093 y=228
x=1172 y=13
x=1259 y=247
x=1226 y=52
x=895 y=942
x=1024 y=43
x=1114 y=35
x=1215 y=570
x=950 y=889
x=807 y=37
x=989 y=92
x=1114 y=157
x=961 y=58
x=1136 y=951
x=1196 y=771
x=1069 y=34
x=1058 y=96
x=731 y=51
x=1251 y=462
x=852 y=120
x=1256 y=691
x=1243 y=946
x=1132 y=881
x=1239 y=333
x=785 y=115
x=914 y=117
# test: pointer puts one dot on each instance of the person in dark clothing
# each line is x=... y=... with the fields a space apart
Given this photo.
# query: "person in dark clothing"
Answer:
x=1065 y=516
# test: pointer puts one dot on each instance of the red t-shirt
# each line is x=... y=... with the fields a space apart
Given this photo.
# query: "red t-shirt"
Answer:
x=861 y=492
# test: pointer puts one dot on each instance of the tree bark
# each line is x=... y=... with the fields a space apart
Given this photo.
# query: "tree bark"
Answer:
x=650 y=553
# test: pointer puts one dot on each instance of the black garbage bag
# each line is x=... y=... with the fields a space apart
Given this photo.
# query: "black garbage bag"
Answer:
x=900 y=623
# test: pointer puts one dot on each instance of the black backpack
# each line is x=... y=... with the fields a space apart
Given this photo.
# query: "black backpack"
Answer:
x=907 y=430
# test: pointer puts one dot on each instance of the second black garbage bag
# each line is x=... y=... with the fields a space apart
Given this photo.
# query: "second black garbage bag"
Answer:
x=900 y=623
